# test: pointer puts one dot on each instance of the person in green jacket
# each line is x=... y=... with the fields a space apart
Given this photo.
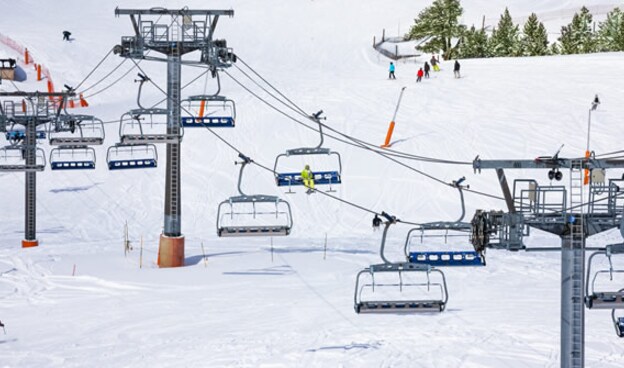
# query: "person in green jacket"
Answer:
x=308 y=179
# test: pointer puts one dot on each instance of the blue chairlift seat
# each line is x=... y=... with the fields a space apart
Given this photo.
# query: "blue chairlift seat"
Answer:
x=20 y=134
x=449 y=259
x=208 y=121
x=132 y=164
x=320 y=178
x=73 y=165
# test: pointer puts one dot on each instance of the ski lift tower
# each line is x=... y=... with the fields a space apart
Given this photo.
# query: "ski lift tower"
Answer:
x=547 y=208
x=22 y=155
x=174 y=33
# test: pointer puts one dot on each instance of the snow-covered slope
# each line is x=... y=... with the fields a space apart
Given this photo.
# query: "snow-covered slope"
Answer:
x=249 y=306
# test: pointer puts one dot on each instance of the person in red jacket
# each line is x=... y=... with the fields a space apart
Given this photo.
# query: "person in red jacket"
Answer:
x=420 y=75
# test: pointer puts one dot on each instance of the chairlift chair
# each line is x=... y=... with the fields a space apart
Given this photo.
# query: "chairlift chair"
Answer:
x=445 y=230
x=443 y=258
x=76 y=130
x=12 y=159
x=146 y=126
x=134 y=156
x=597 y=299
x=208 y=111
x=265 y=215
x=372 y=304
x=329 y=177
x=72 y=158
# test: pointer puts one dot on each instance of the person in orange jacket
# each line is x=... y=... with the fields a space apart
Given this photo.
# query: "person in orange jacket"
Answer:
x=420 y=75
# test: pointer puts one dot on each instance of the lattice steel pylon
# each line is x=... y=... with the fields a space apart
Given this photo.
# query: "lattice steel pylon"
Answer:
x=19 y=123
x=176 y=36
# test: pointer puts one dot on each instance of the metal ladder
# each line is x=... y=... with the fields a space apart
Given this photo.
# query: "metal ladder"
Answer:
x=576 y=186
x=30 y=151
x=173 y=185
x=577 y=243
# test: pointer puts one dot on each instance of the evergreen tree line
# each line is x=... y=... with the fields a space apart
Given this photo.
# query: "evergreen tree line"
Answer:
x=439 y=27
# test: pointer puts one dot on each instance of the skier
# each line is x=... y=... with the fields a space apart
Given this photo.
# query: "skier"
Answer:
x=2 y=325
x=434 y=63
x=391 y=75
x=66 y=35
x=308 y=179
x=420 y=75
x=376 y=222
x=456 y=69
x=427 y=68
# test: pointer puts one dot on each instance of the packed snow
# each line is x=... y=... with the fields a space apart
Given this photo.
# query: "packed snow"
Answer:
x=77 y=300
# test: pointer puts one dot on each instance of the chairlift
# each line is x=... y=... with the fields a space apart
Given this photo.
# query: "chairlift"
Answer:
x=444 y=230
x=134 y=156
x=72 y=158
x=597 y=299
x=76 y=130
x=147 y=125
x=324 y=176
x=208 y=111
x=263 y=215
x=13 y=159
x=433 y=293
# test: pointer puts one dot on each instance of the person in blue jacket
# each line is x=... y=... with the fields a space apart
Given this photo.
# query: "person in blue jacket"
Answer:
x=391 y=75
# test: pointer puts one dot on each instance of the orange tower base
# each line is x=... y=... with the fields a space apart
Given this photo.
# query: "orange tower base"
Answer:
x=30 y=243
x=171 y=251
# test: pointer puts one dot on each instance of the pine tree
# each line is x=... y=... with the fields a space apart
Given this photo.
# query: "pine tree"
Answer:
x=555 y=49
x=505 y=40
x=474 y=44
x=611 y=32
x=439 y=25
x=578 y=37
x=535 y=39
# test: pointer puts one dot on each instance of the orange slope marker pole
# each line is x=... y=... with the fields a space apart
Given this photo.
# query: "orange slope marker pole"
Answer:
x=26 y=58
x=391 y=127
x=586 y=178
x=38 y=72
x=202 y=107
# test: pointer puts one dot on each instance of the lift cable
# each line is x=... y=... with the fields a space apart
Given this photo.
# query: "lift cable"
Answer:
x=363 y=146
x=350 y=138
x=94 y=69
x=291 y=105
x=234 y=148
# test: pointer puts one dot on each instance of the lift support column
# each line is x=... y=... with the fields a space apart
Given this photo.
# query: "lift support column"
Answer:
x=171 y=247
x=30 y=209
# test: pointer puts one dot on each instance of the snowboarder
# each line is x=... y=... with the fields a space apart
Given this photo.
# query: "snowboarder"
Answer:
x=456 y=69
x=308 y=179
x=66 y=35
x=391 y=75
x=376 y=222
x=420 y=75
x=434 y=63
x=427 y=68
